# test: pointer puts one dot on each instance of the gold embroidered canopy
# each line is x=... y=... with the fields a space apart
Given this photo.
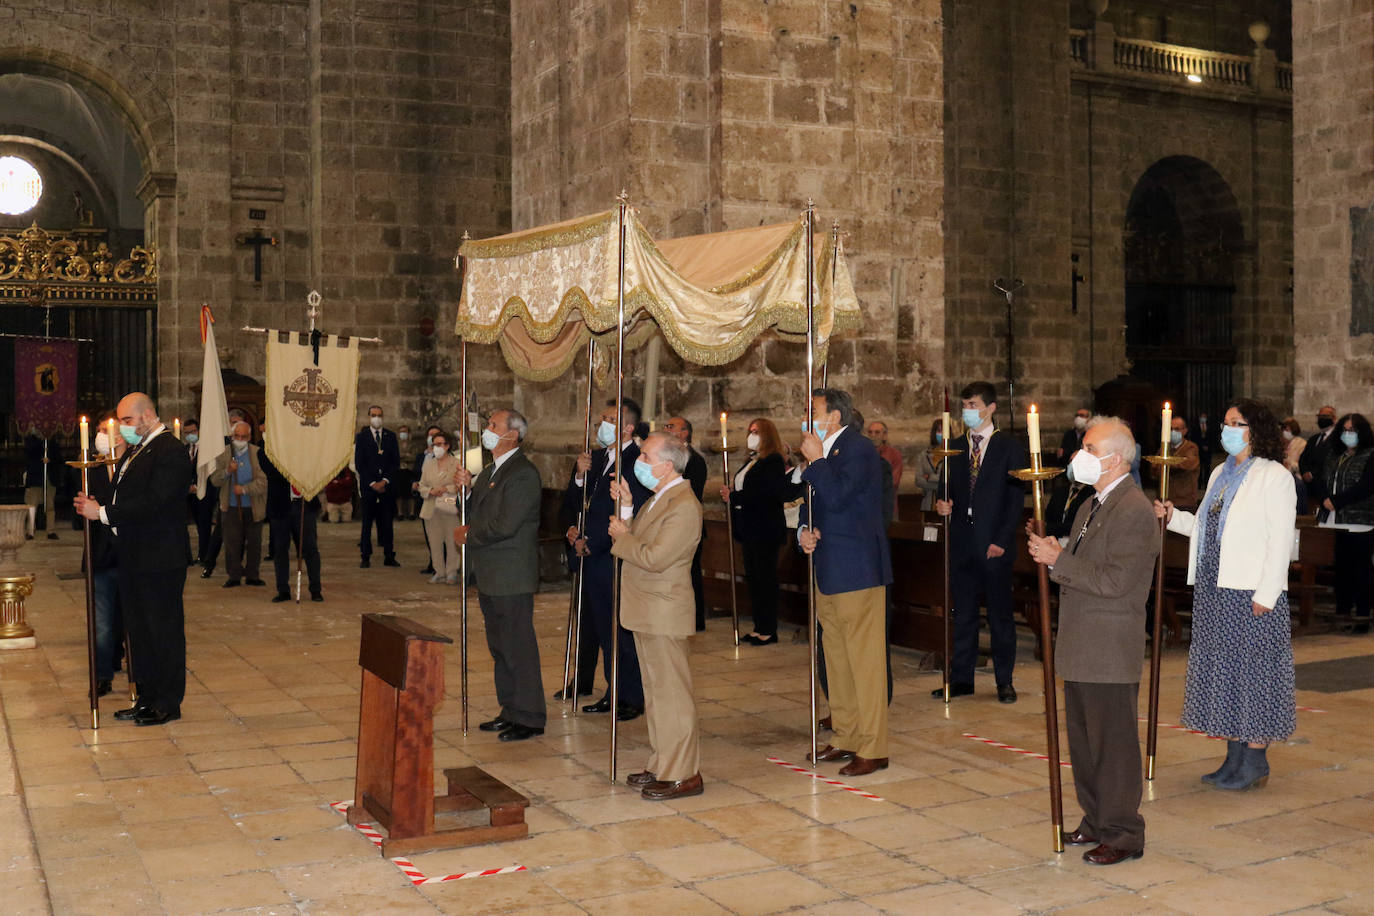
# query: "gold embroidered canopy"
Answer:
x=542 y=292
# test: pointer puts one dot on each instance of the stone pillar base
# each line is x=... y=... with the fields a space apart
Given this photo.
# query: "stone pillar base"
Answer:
x=23 y=642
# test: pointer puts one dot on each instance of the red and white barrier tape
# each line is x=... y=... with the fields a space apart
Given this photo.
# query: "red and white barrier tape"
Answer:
x=1182 y=728
x=817 y=776
x=1310 y=709
x=408 y=868
x=1013 y=748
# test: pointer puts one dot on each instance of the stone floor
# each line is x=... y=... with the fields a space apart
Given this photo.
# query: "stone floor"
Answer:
x=228 y=810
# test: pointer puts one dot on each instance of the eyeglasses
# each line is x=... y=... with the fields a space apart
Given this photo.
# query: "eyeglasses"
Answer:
x=1239 y=424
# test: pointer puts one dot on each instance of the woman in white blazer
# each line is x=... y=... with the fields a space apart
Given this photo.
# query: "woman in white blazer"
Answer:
x=1240 y=660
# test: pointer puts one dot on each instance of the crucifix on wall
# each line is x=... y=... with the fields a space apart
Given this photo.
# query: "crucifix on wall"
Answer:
x=257 y=240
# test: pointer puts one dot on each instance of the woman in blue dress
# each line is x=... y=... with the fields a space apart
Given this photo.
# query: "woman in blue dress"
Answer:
x=1240 y=661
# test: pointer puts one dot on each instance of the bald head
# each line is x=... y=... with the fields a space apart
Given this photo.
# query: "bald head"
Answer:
x=1110 y=439
x=139 y=411
x=243 y=431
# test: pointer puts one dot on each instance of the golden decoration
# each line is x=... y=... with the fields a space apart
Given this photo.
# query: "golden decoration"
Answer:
x=37 y=255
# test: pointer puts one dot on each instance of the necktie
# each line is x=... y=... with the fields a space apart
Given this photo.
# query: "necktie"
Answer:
x=974 y=461
x=1097 y=504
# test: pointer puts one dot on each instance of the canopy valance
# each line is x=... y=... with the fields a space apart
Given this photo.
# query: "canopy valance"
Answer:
x=542 y=292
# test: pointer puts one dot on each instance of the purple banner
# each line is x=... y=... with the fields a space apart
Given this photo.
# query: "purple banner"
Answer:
x=45 y=385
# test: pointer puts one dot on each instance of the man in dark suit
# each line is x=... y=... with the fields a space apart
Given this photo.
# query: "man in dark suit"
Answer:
x=984 y=509
x=1104 y=577
x=681 y=429
x=593 y=551
x=377 y=456
x=1072 y=440
x=502 y=539
x=202 y=510
x=292 y=521
x=843 y=528
x=147 y=515
x=1312 y=461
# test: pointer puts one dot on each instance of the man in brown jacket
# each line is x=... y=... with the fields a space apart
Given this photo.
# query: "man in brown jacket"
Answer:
x=658 y=605
x=1104 y=574
x=242 y=506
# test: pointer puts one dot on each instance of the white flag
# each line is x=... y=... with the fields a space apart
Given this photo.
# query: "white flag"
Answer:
x=214 y=407
x=311 y=400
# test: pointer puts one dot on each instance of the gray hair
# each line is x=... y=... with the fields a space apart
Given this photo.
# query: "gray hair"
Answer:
x=516 y=420
x=1120 y=441
x=670 y=449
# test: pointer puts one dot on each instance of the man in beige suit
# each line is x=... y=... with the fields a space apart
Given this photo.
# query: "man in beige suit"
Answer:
x=1104 y=574
x=658 y=605
x=242 y=506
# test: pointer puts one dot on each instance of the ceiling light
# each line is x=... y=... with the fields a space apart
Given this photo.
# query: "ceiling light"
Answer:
x=1194 y=78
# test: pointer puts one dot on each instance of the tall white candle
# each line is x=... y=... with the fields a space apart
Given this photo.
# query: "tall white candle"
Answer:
x=1033 y=427
x=944 y=429
x=85 y=438
x=1166 y=425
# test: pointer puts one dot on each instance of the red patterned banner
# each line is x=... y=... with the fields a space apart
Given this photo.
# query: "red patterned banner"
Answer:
x=45 y=385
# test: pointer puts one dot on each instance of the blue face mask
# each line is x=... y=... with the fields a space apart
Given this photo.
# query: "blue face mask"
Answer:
x=1233 y=439
x=644 y=473
x=817 y=428
x=605 y=433
x=130 y=434
x=939 y=438
x=1175 y=437
x=972 y=418
x=1350 y=438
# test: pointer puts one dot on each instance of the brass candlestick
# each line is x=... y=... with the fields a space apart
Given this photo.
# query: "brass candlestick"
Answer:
x=939 y=455
x=85 y=464
x=1037 y=474
x=1163 y=462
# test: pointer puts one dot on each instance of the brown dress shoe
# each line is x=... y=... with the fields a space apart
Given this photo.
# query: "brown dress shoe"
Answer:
x=831 y=754
x=640 y=780
x=1110 y=855
x=1080 y=838
x=862 y=766
x=666 y=791
x=826 y=724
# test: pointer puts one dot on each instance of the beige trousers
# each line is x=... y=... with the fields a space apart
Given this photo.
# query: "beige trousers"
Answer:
x=856 y=666
x=439 y=529
x=669 y=708
x=338 y=512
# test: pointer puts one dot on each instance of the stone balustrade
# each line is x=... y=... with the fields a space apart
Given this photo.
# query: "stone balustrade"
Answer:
x=1100 y=50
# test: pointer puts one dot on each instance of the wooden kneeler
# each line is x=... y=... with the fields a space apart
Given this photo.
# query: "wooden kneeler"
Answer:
x=403 y=683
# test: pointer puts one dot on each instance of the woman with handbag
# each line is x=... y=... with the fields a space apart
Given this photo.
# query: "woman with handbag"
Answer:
x=440 y=511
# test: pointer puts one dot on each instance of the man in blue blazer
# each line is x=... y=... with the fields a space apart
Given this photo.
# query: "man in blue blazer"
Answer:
x=593 y=550
x=984 y=508
x=377 y=456
x=842 y=526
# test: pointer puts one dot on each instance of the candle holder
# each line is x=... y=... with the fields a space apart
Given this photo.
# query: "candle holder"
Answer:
x=85 y=464
x=938 y=455
x=1163 y=463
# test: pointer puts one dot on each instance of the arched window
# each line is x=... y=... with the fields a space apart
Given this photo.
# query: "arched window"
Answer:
x=20 y=186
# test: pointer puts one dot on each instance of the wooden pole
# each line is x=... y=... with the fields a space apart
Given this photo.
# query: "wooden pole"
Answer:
x=1162 y=462
x=810 y=493
x=729 y=527
x=463 y=551
x=85 y=464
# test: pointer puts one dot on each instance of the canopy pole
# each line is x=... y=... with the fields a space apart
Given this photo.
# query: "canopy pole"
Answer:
x=810 y=491
x=572 y=657
x=463 y=508
x=619 y=427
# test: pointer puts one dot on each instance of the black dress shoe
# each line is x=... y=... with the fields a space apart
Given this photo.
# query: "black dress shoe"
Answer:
x=206 y=573
x=102 y=688
x=495 y=725
x=759 y=640
x=1080 y=838
x=157 y=717
x=316 y=596
x=567 y=691
x=365 y=564
x=955 y=690
x=1006 y=693
x=517 y=732
x=230 y=583
x=390 y=561
x=428 y=570
x=601 y=705
x=830 y=753
x=133 y=712
x=254 y=582
x=625 y=712
x=279 y=597
x=1110 y=855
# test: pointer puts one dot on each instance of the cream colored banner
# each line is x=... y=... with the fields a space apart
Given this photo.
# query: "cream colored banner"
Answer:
x=310 y=407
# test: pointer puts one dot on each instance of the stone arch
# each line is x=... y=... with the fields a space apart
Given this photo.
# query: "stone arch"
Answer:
x=1183 y=224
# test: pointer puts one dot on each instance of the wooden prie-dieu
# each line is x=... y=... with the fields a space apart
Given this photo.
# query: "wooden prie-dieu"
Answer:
x=403 y=683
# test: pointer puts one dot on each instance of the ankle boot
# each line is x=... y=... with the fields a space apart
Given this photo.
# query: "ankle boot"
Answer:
x=1253 y=771
x=1233 y=755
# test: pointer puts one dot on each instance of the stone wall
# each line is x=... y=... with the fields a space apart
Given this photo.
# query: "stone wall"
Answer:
x=724 y=115
x=1333 y=164
x=371 y=133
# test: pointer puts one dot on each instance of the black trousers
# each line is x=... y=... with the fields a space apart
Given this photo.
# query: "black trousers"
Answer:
x=972 y=578
x=203 y=512
x=1104 y=747
x=287 y=530
x=588 y=647
x=697 y=586
x=509 y=621
x=156 y=623
x=761 y=572
x=1354 y=574
x=381 y=509
x=599 y=573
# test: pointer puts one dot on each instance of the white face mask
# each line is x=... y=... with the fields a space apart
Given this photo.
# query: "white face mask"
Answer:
x=440 y=450
x=375 y=421
x=605 y=433
x=1080 y=422
x=403 y=436
x=1087 y=468
x=490 y=440
x=1287 y=434
x=102 y=443
x=240 y=445
x=752 y=442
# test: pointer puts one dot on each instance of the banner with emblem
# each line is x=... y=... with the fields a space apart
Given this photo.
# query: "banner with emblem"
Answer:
x=45 y=385
x=312 y=398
